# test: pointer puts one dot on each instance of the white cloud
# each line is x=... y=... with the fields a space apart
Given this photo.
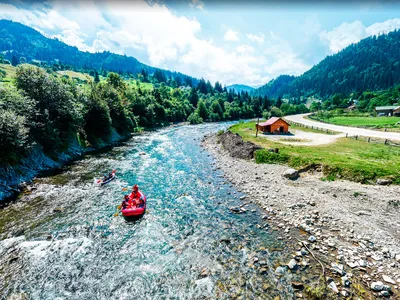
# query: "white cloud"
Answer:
x=256 y=38
x=349 y=33
x=231 y=35
x=244 y=49
x=162 y=38
x=383 y=27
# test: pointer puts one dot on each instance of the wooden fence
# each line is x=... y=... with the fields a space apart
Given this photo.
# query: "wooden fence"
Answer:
x=374 y=140
x=312 y=127
x=356 y=137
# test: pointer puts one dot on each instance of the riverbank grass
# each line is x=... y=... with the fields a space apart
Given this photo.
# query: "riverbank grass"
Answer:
x=346 y=158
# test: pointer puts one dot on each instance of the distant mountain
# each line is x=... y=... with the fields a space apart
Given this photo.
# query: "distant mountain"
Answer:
x=275 y=88
x=238 y=88
x=17 y=40
x=371 y=64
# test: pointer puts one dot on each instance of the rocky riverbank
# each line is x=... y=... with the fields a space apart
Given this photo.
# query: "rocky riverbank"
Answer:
x=13 y=178
x=353 y=229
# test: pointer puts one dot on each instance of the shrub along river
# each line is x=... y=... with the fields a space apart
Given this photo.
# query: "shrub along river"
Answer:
x=60 y=240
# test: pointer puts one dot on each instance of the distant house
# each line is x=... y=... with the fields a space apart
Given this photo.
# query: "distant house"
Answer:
x=351 y=108
x=393 y=110
x=274 y=125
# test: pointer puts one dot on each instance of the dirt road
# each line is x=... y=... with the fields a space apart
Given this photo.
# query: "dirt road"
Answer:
x=352 y=131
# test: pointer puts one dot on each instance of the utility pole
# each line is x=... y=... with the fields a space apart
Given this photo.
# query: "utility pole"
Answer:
x=258 y=115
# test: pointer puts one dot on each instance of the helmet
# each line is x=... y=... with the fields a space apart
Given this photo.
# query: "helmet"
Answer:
x=135 y=187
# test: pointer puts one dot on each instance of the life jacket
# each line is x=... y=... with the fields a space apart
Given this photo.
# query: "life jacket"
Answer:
x=135 y=195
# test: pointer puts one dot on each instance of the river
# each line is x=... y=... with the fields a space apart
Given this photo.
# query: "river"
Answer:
x=61 y=240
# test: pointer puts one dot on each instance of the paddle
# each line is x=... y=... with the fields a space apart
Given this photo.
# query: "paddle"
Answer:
x=117 y=212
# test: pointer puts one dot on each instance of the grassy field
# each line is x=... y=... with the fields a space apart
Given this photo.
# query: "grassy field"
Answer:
x=143 y=85
x=372 y=122
x=346 y=158
x=11 y=71
x=73 y=74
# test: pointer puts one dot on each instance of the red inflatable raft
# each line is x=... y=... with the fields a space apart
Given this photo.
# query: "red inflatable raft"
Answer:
x=132 y=209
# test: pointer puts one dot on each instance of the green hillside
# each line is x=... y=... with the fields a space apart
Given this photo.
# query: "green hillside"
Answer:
x=18 y=42
x=372 y=64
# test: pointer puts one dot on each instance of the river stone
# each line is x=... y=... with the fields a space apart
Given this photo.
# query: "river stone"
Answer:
x=333 y=287
x=384 y=293
x=225 y=239
x=377 y=286
x=345 y=281
x=281 y=270
x=204 y=272
x=297 y=285
x=388 y=279
x=382 y=181
x=292 y=264
x=291 y=174
x=345 y=293
x=338 y=268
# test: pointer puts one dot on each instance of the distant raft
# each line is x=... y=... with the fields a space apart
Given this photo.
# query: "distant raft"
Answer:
x=132 y=209
x=102 y=182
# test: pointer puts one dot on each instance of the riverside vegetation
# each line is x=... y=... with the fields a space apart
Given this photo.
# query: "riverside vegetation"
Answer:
x=346 y=158
x=45 y=108
x=49 y=115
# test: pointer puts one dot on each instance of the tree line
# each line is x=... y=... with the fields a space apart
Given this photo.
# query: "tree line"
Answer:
x=40 y=108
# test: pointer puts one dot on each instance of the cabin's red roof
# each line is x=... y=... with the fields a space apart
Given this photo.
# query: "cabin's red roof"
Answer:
x=270 y=121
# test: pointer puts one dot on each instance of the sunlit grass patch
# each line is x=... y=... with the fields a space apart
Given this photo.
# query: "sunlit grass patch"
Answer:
x=346 y=158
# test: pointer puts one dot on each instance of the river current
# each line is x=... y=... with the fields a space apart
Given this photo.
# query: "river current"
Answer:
x=61 y=240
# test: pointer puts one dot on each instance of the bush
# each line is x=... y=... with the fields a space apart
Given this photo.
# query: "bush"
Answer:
x=266 y=115
x=194 y=118
x=265 y=157
x=13 y=135
x=276 y=112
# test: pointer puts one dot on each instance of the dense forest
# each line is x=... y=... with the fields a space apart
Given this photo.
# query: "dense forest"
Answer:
x=276 y=87
x=40 y=107
x=372 y=64
x=19 y=42
x=363 y=102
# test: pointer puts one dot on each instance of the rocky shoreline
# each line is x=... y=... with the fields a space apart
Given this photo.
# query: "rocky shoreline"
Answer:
x=353 y=229
x=14 y=178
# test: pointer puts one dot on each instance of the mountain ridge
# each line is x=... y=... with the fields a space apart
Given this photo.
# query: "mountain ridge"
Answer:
x=20 y=40
x=371 y=64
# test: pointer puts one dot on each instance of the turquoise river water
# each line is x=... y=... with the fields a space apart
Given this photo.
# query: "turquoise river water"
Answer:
x=60 y=240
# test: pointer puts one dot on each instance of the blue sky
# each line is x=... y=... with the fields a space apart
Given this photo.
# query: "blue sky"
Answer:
x=233 y=42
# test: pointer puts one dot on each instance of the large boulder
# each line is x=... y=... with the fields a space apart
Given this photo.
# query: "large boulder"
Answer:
x=291 y=174
x=236 y=147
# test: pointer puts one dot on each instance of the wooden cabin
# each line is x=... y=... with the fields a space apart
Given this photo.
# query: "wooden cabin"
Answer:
x=274 y=125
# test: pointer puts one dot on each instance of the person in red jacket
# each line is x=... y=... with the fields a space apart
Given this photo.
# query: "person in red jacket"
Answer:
x=126 y=203
x=136 y=196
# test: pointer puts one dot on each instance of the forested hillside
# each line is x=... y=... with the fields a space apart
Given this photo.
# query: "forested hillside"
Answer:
x=240 y=87
x=371 y=64
x=276 y=87
x=20 y=43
